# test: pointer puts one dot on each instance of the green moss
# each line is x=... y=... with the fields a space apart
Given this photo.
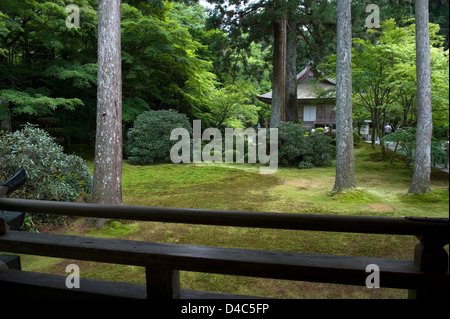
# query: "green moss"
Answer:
x=115 y=229
x=438 y=196
x=355 y=196
x=213 y=186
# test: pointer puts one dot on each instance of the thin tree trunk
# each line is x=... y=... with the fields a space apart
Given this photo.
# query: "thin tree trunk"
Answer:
x=345 y=167
x=374 y=131
x=108 y=147
x=279 y=74
x=381 y=133
x=394 y=154
x=422 y=162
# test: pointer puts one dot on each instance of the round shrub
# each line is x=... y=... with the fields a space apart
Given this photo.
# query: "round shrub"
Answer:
x=297 y=147
x=321 y=150
x=149 y=138
x=292 y=144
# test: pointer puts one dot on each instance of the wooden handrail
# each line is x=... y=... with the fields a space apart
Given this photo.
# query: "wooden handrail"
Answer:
x=329 y=223
x=425 y=276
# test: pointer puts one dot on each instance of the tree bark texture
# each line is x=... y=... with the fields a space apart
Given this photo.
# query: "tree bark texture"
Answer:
x=108 y=145
x=345 y=167
x=291 y=72
x=422 y=160
x=279 y=74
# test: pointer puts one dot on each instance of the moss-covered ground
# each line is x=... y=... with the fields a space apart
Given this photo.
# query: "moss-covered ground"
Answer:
x=382 y=191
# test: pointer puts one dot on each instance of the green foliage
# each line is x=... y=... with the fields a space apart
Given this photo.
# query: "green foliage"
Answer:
x=405 y=140
x=384 y=76
x=231 y=106
x=406 y=143
x=296 y=148
x=79 y=75
x=47 y=69
x=36 y=102
x=149 y=138
x=207 y=65
x=52 y=175
x=160 y=65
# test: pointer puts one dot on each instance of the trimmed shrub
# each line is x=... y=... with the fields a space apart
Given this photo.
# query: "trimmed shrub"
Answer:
x=298 y=147
x=149 y=138
x=321 y=150
x=292 y=143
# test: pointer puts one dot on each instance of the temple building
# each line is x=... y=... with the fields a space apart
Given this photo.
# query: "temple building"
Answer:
x=316 y=99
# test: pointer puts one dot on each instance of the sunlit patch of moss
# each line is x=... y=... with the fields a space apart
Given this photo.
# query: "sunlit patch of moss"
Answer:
x=192 y=186
x=115 y=229
x=354 y=195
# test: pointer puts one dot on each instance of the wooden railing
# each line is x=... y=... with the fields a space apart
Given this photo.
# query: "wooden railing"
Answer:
x=426 y=276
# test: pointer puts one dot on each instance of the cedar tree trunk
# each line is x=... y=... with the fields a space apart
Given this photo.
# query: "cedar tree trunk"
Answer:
x=291 y=72
x=345 y=167
x=422 y=160
x=108 y=144
x=279 y=74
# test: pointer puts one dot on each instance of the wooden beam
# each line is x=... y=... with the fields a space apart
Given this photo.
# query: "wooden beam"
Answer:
x=230 y=261
x=32 y=285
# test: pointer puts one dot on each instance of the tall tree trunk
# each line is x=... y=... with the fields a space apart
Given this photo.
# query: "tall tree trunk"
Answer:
x=279 y=74
x=108 y=146
x=345 y=166
x=291 y=71
x=422 y=160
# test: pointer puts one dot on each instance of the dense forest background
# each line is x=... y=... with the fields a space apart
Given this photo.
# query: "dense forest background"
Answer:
x=208 y=62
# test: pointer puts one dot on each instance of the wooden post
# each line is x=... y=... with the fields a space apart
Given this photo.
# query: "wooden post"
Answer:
x=3 y=227
x=430 y=257
x=162 y=283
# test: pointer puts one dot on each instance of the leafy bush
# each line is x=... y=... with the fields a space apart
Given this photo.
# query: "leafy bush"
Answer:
x=297 y=147
x=149 y=138
x=321 y=151
x=52 y=174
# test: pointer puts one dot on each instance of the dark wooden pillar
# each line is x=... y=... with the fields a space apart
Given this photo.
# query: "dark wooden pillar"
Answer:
x=162 y=282
x=3 y=227
x=430 y=257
